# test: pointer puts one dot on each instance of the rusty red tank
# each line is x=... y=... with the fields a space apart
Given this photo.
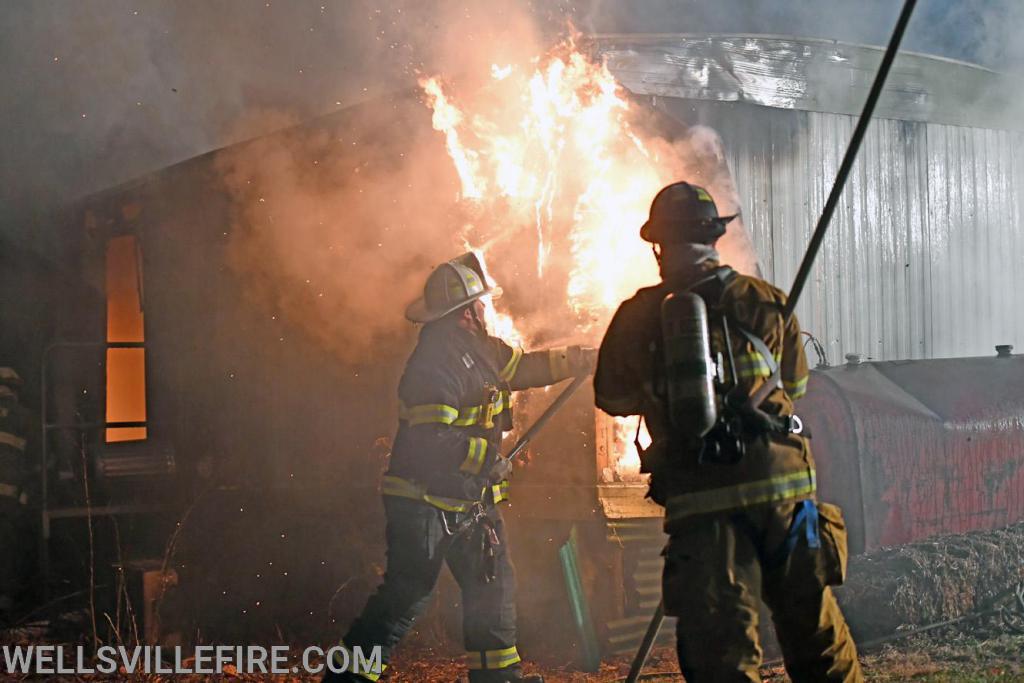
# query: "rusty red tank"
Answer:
x=911 y=449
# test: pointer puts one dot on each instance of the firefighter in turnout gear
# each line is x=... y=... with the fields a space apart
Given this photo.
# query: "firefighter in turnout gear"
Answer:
x=13 y=437
x=445 y=475
x=737 y=481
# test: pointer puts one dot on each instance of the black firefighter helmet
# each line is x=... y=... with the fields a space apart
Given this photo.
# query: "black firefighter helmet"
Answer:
x=682 y=212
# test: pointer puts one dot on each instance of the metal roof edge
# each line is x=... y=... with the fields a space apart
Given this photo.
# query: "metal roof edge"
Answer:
x=809 y=74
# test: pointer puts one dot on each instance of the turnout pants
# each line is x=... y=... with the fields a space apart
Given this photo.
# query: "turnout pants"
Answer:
x=719 y=567
x=12 y=543
x=417 y=547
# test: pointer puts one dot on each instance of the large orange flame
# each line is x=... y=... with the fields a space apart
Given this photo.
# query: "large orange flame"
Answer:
x=548 y=147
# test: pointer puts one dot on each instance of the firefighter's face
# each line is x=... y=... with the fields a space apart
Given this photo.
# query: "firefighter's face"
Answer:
x=474 y=316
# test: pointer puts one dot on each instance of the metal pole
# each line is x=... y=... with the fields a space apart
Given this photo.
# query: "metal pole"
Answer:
x=555 y=406
x=851 y=155
x=646 y=644
x=758 y=397
x=812 y=251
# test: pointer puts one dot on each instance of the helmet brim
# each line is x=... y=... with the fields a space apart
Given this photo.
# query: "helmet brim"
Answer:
x=419 y=312
x=648 y=227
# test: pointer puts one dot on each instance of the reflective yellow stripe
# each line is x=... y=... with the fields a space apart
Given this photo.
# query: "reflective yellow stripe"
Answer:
x=12 y=440
x=474 y=461
x=484 y=415
x=773 y=490
x=438 y=413
x=751 y=365
x=368 y=675
x=403 y=488
x=509 y=371
x=796 y=389
x=427 y=413
x=493 y=659
x=499 y=491
x=468 y=416
x=558 y=363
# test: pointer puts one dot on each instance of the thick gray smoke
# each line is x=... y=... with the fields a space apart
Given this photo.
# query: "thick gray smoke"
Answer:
x=97 y=93
x=100 y=91
x=334 y=226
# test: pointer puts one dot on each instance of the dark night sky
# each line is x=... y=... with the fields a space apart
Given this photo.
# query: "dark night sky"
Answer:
x=100 y=91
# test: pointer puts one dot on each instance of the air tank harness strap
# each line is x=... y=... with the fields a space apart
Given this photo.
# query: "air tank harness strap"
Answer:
x=764 y=422
x=805 y=521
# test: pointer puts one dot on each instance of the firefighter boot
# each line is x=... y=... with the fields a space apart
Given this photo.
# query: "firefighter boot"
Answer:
x=512 y=674
x=345 y=677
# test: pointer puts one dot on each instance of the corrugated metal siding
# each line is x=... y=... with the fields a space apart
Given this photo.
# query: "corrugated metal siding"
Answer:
x=925 y=255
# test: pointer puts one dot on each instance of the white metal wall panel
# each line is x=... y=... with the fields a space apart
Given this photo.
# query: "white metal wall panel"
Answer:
x=925 y=256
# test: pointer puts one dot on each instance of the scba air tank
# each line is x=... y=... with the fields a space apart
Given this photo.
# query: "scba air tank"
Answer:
x=689 y=368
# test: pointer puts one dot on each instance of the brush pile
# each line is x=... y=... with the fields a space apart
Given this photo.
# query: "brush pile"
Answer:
x=935 y=580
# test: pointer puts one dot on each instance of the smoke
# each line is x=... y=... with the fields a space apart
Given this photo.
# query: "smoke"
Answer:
x=548 y=170
x=335 y=225
x=109 y=91
x=699 y=157
x=99 y=92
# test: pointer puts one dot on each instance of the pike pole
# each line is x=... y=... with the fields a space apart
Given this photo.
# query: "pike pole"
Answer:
x=804 y=272
x=548 y=413
x=478 y=512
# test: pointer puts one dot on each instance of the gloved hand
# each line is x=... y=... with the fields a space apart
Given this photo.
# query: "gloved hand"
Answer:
x=582 y=360
x=501 y=469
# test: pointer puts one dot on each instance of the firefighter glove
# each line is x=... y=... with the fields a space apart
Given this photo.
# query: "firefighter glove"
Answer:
x=501 y=469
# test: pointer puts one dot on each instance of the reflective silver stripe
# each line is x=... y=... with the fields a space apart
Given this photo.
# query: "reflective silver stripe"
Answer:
x=484 y=414
x=503 y=658
x=499 y=491
x=403 y=488
x=752 y=365
x=427 y=413
x=368 y=675
x=776 y=489
x=474 y=461
x=468 y=416
x=12 y=440
x=796 y=389
x=493 y=659
x=438 y=413
x=509 y=371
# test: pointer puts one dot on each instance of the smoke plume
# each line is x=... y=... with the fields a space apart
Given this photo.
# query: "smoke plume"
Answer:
x=537 y=159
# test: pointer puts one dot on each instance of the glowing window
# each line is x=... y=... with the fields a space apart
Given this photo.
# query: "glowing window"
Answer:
x=126 y=355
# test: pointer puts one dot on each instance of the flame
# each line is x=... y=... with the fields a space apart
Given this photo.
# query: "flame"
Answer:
x=554 y=146
x=626 y=455
x=447 y=118
x=546 y=151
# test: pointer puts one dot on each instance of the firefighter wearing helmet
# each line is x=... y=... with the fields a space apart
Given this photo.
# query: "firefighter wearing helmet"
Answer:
x=14 y=422
x=445 y=475
x=737 y=481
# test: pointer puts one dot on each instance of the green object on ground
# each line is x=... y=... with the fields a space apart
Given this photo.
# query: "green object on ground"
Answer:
x=569 y=555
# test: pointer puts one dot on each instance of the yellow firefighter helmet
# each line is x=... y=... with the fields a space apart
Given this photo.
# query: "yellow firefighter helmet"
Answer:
x=452 y=285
